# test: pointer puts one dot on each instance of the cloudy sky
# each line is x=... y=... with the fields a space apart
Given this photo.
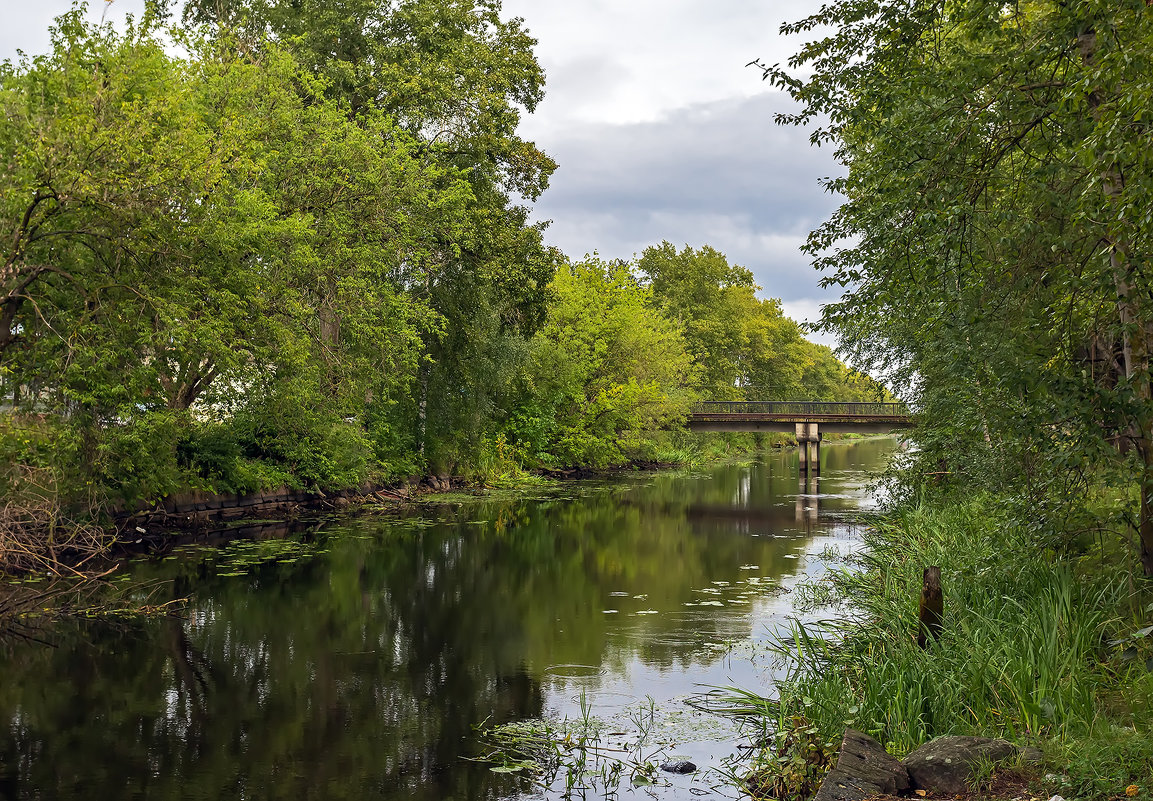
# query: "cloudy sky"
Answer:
x=660 y=129
x=662 y=132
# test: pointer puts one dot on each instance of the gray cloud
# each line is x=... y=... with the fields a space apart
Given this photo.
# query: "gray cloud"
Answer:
x=674 y=52
x=718 y=173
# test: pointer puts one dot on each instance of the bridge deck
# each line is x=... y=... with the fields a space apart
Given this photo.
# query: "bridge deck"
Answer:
x=783 y=416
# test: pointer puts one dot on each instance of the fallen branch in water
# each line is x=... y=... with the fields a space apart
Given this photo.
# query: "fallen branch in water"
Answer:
x=31 y=611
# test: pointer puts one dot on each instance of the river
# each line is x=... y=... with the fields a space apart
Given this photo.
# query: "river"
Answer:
x=355 y=657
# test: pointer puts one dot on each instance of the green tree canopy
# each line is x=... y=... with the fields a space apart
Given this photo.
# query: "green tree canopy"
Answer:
x=179 y=225
x=608 y=368
x=747 y=348
x=455 y=76
x=997 y=206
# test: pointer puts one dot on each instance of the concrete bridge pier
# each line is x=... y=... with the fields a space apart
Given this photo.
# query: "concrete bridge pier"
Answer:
x=809 y=441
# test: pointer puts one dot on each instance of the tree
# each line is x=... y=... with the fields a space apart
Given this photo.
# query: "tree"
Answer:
x=997 y=198
x=451 y=71
x=747 y=348
x=456 y=77
x=211 y=234
x=714 y=302
x=607 y=369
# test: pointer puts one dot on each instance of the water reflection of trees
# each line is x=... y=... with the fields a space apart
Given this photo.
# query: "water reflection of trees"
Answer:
x=359 y=670
x=305 y=681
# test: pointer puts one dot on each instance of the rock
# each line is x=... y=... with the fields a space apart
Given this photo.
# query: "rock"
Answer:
x=946 y=764
x=863 y=769
x=683 y=766
x=1031 y=755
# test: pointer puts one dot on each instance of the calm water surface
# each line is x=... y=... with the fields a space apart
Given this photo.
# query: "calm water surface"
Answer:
x=353 y=659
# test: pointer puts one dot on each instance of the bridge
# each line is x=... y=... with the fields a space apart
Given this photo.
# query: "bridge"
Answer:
x=785 y=416
x=808 y=420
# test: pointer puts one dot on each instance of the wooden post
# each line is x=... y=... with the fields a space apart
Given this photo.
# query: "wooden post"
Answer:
x=932 y=607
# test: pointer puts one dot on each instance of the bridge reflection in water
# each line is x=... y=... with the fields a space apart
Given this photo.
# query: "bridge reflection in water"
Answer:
x=808 y=420
x=808 y=509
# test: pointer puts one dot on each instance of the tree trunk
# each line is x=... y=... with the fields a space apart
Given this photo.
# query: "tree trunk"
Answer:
x=183 y=390
x=422 y=410
x=8 y=311
x=1137 y=334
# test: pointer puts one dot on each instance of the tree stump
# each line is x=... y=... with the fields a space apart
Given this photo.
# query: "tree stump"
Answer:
x=932 y=607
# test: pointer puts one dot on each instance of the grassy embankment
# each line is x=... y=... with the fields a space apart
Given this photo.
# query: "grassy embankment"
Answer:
x=1047 y=640
x=47 y=525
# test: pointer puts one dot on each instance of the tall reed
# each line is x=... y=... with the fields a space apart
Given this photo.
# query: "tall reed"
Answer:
x=1024 y=652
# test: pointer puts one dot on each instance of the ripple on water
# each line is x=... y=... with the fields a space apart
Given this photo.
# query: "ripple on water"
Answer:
x=575 y=671
x=609 y=698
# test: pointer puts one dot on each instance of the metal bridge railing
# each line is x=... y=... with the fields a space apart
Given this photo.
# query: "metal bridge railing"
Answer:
x=802 y=408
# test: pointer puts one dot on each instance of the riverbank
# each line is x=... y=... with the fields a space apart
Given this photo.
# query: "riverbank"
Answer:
x=48 y=539
x=198 y=509
x=1046 y=640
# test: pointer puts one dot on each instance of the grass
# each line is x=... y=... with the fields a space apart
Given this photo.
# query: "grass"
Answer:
x=1039 y=646
x=573 y=757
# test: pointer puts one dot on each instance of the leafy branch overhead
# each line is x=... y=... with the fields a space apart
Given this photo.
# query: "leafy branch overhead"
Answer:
x=996 y=233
